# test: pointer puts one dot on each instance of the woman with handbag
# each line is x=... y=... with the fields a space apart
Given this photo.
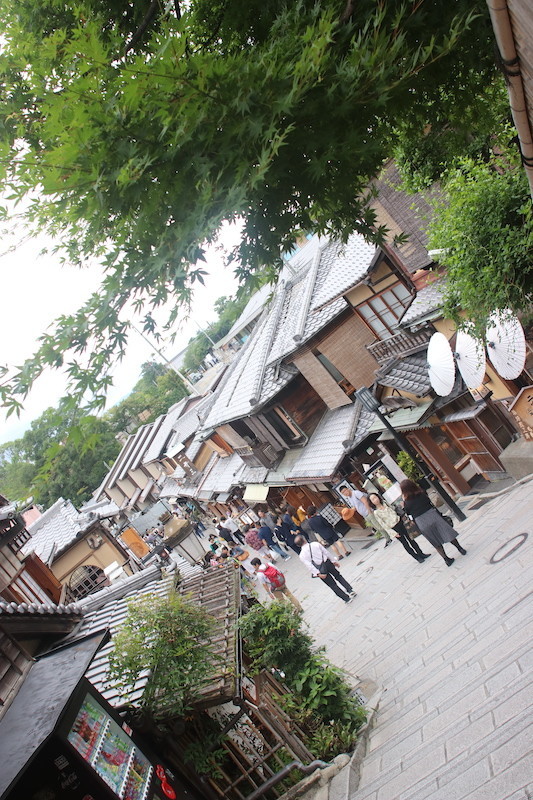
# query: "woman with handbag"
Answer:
x=430 y=523
x=390 y=521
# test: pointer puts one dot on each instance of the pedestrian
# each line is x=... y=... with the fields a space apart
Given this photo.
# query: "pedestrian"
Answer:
x=267 y=537
x=429 y=521
x=359 y=500
x=267 y=518
x=274 y=583
x=327 y=533
x=286 y=533
x=254 y=541
x=234 y=529
x=389 y=519
x=318 y=561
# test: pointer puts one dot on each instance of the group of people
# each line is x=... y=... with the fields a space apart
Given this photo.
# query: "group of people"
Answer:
x=318 y=544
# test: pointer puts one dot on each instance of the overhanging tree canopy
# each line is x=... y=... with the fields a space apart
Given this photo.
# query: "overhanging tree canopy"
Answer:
x=135 y=130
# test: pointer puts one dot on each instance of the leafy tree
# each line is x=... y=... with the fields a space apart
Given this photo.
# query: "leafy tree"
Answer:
x=76 y=467
x=135 y=136
x=168 y=639
x=485 y=229
x=16 y=473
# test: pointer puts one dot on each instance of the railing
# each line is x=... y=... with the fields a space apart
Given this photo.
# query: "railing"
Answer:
x=401 y=344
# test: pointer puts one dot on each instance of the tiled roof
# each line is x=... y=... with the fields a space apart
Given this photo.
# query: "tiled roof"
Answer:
x=169 y=488
x=409 y=374
x=224 y=474
x=251 y=311
x=341 y=268
x=301 y=307
x=186 y=425
x=326 y=448
x=164 y=432
x=55 y=529
x=427 y=300
x=101 y=509
x=10 y=610
x=406 y=213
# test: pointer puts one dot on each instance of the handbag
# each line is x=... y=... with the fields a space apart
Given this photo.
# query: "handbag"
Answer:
x=446 y=518
x=325 y=565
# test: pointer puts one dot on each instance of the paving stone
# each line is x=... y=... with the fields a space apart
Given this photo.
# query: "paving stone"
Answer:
x=509 y=753
x=500 y=786
x=470 y=735
x=449 y=647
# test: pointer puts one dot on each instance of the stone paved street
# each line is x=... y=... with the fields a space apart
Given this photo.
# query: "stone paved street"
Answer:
x=450 y=649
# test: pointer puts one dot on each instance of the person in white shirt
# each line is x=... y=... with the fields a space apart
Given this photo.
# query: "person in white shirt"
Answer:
x=318 y=561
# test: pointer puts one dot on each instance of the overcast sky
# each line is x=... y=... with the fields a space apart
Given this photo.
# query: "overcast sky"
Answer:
x=36 y=289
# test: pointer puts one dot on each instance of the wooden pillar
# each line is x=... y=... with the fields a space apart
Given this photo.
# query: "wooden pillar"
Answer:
x=434 y=455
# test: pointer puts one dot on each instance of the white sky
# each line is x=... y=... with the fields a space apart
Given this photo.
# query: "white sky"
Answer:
x=36 y=289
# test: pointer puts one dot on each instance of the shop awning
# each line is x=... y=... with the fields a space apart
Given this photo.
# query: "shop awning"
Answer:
x=222 y=497
x=255 y=493
x=465 y=413
x=403 y=420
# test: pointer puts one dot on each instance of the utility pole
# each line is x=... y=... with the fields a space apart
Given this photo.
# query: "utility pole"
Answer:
x=169 y=364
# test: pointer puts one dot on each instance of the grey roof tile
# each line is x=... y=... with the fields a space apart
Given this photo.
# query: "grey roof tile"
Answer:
x=55 y=529
x=341 y=268
x=165 y=430
x=340 y=429
x=409 y=374
x=427 y=300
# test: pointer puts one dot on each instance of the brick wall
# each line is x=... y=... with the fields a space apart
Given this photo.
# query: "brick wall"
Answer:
x=345 y=347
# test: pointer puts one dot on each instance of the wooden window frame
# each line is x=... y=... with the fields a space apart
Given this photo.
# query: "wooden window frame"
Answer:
x=380 y=296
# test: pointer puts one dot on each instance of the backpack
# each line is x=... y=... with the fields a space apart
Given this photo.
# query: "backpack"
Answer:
x=274 y=577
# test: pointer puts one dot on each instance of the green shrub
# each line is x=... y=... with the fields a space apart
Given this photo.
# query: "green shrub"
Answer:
x=320 y=701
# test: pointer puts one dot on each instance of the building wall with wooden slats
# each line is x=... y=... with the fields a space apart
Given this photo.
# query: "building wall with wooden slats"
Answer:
x=345 y=347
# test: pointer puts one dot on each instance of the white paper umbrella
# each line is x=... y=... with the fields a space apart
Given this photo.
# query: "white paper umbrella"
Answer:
x=470 y=358
x=506 y=345
x=441 y=365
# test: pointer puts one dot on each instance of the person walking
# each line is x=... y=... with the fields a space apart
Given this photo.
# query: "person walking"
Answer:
x=430 y=523
x=285 y=533
x=316 y=558
x=274 y=583
x=254 y=541
x=233 y=528
x=267 y=537
x=359 y=500
x=327 y=532
x=389 y=519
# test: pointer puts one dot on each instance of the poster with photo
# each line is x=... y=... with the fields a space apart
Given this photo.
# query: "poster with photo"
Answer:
x=88 y=728
x=139 y=775
x=113 y=756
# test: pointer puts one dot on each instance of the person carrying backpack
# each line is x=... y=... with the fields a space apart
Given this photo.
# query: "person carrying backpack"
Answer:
x=274 y=583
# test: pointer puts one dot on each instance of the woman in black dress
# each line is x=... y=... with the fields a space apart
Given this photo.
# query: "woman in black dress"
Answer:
x=428 y=520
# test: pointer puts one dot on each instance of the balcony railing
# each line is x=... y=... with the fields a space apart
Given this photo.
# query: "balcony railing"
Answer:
x=401 y=344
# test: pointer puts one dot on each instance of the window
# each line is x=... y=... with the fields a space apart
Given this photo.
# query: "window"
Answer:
x=86 y=579
x=284 y=425
x=382 y=312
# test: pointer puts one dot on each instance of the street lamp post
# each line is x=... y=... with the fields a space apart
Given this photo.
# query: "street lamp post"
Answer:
x=372 y=404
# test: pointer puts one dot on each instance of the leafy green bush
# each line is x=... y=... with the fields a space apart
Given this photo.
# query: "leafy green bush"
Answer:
x=485 y=228
x=168 y=638
x=408 y=465
x=320 y=702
